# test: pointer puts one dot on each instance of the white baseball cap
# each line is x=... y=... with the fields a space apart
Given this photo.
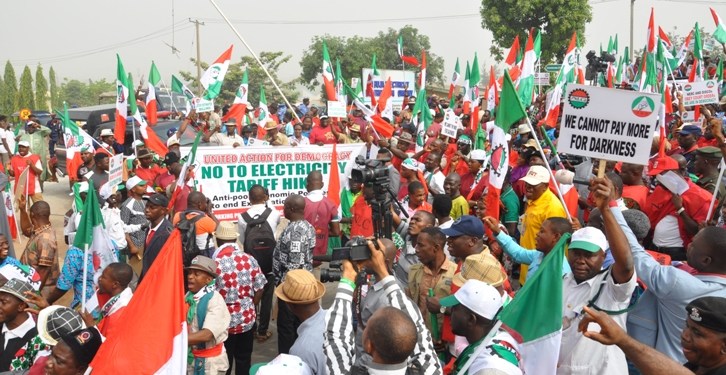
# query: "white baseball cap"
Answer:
x=282 y=364
x=536 y=175
x=589 y=239
x=523 y=129
x=478 y=155
x=134 y=181
x=82 y=187
x=479 y=297
x=106 y=132
x=24 y=143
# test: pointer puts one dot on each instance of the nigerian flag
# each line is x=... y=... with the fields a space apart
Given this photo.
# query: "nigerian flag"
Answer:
x=424 y=119
x=213 y=77
x=720 y=33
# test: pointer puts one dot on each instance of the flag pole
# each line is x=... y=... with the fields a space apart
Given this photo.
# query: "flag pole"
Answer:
x=715 y=191
x=547 y=165
x=239 y=36
x=85 y=275
x=483 y=346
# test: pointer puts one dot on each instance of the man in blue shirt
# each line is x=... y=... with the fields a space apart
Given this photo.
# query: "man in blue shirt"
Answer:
x=549 y=233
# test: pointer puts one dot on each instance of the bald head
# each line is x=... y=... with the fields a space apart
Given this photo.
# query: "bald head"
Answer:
x=314 y=181
x=40 y=209
x=390 y=336
x=195 y=199
x=121 y=273
x=294 y=207
x=389 y=250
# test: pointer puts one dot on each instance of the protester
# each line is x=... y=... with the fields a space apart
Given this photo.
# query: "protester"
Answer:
x=273 y=137
x=132 y=214
x=240 y=283
x=114 y=283
x=432 y=175
x=41 y=251
x=158 y=229
x=459 y=204
x=321 y=212
x=199 y=212
x=37 y=136
x=208 y=319
x=409 y=231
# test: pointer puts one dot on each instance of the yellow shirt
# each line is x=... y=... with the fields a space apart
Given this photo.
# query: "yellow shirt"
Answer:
x=537 y=211
x=459 y=207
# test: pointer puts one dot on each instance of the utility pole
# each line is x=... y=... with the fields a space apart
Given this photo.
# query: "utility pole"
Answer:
x=199 y=54
x=632 y=7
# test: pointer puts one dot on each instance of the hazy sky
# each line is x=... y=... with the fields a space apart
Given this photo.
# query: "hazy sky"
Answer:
x=80 y=38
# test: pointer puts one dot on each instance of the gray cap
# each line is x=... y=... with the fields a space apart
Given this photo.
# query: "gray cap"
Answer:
x=202 y=263
x=17 y=288
x=57 y=321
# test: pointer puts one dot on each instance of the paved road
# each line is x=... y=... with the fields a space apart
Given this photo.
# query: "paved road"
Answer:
x=56 y=194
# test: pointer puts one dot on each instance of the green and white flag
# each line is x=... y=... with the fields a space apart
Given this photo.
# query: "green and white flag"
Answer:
x=213 y=77
x=179 y=87
x=263 y=114
x=526 y=80
x=720 y=33
x=421 y=116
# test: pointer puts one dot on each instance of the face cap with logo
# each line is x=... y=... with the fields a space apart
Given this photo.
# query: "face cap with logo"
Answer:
x=467 y=225
x=536 y=175
x=479 y=297
x=589 y=239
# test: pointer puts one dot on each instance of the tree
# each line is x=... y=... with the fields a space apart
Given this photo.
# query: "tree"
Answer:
x=55 y=101
x=556 y=20
x=26 y=99
x=9 y=100
x=271 y=60
x=355 y=53
x=78 y=93
x=41 y=89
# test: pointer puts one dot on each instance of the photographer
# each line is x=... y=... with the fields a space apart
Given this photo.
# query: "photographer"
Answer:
x=395 y=336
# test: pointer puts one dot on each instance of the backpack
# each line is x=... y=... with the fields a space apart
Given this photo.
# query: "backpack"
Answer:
x=188 y=229
x=260 y=239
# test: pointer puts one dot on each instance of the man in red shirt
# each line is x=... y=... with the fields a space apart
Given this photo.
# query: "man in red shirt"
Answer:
x=634 y=190
x=146 y=169
x=322 y=135
x=24 y=159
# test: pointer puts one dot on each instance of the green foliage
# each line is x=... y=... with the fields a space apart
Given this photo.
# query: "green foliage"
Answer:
x=41 y=89
x=26 y=98
x=256 y=77
x=9 y=100
x=355 y=53
x=55 y=101
x=78 y=93
x=557 y=20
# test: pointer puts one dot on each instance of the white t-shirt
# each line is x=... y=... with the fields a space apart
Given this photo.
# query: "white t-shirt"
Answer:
x=667 y=233
x=3 y=135
x=256 y=210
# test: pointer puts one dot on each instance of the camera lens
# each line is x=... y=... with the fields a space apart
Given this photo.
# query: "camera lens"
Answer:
x=329 y=275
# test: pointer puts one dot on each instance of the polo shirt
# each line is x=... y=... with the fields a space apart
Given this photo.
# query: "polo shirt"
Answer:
x=459 y=207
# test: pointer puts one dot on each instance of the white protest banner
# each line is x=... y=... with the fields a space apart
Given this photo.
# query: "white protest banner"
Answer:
x=542 y=79
x=452 y=123
x=699 y=93
x=115 y=170
x=336 y=109
x=399 y=80
x=608 y=124
x=225 y=174
x=203 y=105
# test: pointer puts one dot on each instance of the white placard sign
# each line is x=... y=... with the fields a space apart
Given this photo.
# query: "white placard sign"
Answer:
x=542 y=79
x=699 y=93
x=203 y=105
x=115 y=170
x=336 y=109
x=608 y=124
x=452 y=123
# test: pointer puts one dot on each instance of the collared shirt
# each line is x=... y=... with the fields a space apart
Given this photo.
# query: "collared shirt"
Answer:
x=280 y=139
x=406 y=257
x=19 y=331
x=303 y=141
x=309 y=341
x=220 y=139
x=294 y=249
x=338 y=341
x=435 y=181
x=526 y=256
x=216 y=321
x=421 y=279
x=578 y=354
x=239 y=279
x=72 y=275
x=42 y=250
x=537 y=211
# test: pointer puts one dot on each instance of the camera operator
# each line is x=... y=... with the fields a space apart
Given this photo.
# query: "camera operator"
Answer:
x=385 y=156
x=395 y=336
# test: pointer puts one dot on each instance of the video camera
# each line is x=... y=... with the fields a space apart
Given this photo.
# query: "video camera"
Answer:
x=355 y=250
x=597 y=64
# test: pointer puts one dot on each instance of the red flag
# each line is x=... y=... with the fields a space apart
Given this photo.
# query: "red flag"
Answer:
x=148 y=345
x=512 y=56
x=410 y=60
x=383 y=128
x=385 y=97
x=334 y=181
x=651 y=32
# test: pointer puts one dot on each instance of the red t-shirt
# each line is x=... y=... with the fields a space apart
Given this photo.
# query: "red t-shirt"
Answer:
x=149 y=174
x=18 y=164
x=320 y=134
x=362 y=224
x=635 y=193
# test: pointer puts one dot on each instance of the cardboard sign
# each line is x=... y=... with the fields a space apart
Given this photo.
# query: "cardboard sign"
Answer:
x=204 y=105
x=608 y=124
x=542 y=79
x=699 y=93
x=451 y=124
x=336 y=109
x=115 y=170
x=399 y=80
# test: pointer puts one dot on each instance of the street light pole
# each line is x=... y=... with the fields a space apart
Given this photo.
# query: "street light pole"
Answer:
x=632 y=8
x=199 y=57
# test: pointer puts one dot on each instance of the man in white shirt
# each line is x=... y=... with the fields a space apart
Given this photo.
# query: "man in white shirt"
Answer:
x=258 y=208
x=18 y=325
x=229 y=138
x=588 y=284
x=7 y=140
x=433 y=176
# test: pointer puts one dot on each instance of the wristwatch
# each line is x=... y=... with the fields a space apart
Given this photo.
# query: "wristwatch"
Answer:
x=680 y=210
x=442 y=310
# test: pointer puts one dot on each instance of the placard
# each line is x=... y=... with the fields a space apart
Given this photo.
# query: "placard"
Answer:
x=399 y=80
x=115 y=170
x=699 y=93
x=203 y=105
x=336 y=109
x=451 y=124
x=542 y=79
x=608 y=124
x=226 y=174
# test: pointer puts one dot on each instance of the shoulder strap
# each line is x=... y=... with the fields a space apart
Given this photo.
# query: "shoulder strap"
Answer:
x=633 y=299
x=202 y=310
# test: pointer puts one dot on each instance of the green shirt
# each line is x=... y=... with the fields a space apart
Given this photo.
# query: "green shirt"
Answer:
x=511 y=202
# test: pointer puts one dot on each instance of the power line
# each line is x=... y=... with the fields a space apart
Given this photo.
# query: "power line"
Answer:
x=179 y=26
x=340 y=22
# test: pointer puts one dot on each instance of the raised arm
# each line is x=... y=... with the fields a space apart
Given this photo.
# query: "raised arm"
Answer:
x=623 y=268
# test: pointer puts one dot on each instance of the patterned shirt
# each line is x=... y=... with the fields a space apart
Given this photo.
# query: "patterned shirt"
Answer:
x=294 y=249
x=240 y=277
x=132 y=212
x=41 y=251
x=26 y=356
x=72 y=275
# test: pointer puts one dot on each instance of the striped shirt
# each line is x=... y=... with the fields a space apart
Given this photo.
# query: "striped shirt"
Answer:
x=339 y=344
